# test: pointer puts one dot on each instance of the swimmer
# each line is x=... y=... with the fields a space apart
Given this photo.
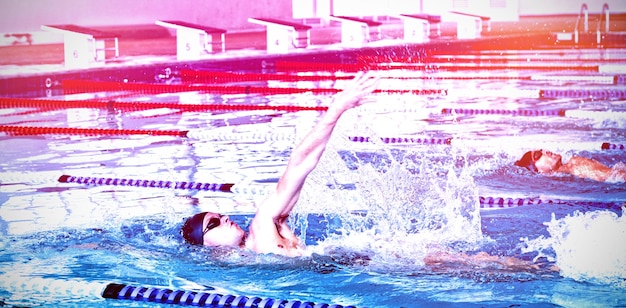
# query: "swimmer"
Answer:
x=546 y=162
x=268 y=231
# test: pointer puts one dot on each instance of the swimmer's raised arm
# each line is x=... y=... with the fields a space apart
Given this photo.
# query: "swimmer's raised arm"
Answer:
x=307 y=154
x=269 y=232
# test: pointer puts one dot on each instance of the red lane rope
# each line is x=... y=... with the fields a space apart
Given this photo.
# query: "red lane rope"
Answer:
x=40 y=130
x=80 y=86
x=190 y=76
x=224 y=77
x=479 y=59
x=284 y=66
x=63 y=104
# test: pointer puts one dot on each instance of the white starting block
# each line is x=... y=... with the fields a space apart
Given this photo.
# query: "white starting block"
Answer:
x=283 y=36
x=356 y=31
x=194 y=41
x=85 y=47
x=470 y=26
x=418 y=28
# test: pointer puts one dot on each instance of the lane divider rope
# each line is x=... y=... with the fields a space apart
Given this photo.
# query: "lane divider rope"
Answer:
x=97 y=104
x=40 y=130
x=80 y=86
x=201 y=134
x=608 y=66
x=411 y=140
x=583 y=93
x=500 y=202
x=228 y=136
x=603 y=79
x=65 y=104
x=604 y=93
x=613 y=146
x=480 y=59
x=192 y=134
x=117 y=291
x=468 y=142
x=485 y=201
x=96 y=181
x=573 y=113
x=183 y=185
x=286 y=66
x=201 y=299
x=188 y=75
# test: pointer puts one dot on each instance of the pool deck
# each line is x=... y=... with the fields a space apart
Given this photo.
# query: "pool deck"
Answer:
x=151 y=47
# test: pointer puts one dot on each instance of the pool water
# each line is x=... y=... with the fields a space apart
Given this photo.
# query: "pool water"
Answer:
x=371 y=214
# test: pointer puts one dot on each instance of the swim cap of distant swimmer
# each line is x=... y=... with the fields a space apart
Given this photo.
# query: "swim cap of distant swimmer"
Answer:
x=527 y=162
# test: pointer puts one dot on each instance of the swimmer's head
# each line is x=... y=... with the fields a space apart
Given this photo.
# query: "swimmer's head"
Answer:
x=540 y=161
x=212 y=229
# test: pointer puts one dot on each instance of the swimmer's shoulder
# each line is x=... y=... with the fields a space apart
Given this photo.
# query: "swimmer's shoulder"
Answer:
x=264 y=237
x=586 y=168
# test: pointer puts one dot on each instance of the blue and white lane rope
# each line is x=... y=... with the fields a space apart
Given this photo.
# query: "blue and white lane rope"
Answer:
x=500 y=202
x=591 y=146
x=202 y=134
x=143 y=183
x=485 y=202
x=202 y=299
x=599 y=79
x=613 y=146
x=224 y=187
x=572 y=113
x=583 y=93
x=57 y=287
x=611 y=93
x=405 y=140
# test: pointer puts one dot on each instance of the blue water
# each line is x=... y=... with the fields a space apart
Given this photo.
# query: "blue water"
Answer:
x=369 y=214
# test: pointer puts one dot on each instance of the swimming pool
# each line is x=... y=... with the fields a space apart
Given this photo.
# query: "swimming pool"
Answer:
x=410 y=174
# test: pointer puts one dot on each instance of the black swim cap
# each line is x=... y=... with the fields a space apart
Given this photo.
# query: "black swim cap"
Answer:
x=192 y=229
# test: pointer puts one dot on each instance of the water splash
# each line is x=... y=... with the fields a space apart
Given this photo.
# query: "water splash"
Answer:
x=401 y=208
x=585 y=246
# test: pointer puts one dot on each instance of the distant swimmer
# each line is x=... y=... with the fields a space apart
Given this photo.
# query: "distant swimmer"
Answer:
x=268 y=231
x=546 y=162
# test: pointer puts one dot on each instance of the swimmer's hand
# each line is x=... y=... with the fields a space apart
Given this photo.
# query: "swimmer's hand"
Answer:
x=362 y=85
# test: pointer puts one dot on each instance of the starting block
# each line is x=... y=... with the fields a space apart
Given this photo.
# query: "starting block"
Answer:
x=85 y=47
x=418 y=28
x=356 y=31
x=194 y=41
x=284 y=35
x=470 y=26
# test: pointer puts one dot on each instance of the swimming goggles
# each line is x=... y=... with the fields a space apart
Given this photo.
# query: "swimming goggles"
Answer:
x=212 y=224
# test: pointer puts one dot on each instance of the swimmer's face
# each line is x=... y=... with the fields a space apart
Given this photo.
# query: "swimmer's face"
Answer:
x=546 y=161
x=221 y=231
